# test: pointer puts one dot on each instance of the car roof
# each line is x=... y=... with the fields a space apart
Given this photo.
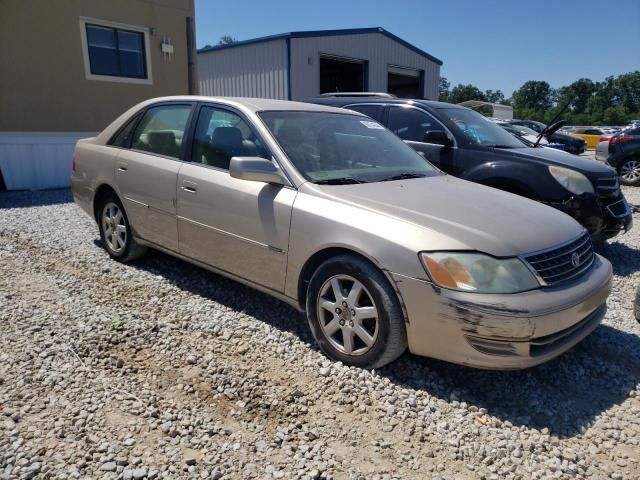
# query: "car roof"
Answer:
x=252 y=104
x=341 y=101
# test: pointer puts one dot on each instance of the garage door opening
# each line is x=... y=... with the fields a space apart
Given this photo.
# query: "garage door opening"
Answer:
x=405 y=83
x=342 y=75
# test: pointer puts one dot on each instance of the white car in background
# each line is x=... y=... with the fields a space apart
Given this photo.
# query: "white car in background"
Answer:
x=602 y=149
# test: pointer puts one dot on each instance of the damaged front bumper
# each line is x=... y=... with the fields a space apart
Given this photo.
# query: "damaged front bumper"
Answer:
x=604 y=215
x=497 y=331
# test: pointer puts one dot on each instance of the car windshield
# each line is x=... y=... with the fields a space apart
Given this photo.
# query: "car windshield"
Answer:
x=479 y=130
x=336 y=148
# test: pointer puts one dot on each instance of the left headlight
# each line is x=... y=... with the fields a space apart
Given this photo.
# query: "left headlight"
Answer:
x=573 y=181
x=479 y=273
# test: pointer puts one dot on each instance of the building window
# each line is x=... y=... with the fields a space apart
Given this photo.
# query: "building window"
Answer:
x=115 y=52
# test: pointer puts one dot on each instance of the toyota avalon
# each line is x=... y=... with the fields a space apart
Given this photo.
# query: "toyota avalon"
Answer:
x=329 y=211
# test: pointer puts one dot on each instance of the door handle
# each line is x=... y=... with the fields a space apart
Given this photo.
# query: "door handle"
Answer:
x=189 y=186
x=122 y=167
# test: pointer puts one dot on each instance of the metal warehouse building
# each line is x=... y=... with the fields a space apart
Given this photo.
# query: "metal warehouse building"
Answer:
x=298 y=65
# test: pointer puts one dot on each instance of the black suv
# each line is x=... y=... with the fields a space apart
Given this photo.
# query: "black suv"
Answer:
x=624 y=155
x=465 y=144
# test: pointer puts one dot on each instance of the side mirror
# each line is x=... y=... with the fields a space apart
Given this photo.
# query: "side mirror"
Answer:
x=256 y=169
x=437 y=137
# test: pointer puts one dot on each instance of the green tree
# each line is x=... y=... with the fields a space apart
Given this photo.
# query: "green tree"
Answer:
x=494 y=97
x=534 y=95
x=462 y=93
x=226 y=40
x=444 y=89
x=627 y=87
x=578 y=94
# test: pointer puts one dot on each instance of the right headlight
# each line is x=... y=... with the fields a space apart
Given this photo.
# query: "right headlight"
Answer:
x=573 y=181
x=479 y=273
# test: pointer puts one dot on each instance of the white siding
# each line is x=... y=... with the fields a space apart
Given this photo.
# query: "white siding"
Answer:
x=379 y=50
x=35 y=161
x=254 y=70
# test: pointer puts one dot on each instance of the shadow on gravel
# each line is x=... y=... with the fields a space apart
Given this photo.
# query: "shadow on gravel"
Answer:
x=625 y=260
x=39 y=198
x=229 y=293
x=563 y=395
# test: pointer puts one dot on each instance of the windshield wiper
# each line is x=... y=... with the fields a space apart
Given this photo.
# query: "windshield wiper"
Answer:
x=339 y=181
x=404 y=176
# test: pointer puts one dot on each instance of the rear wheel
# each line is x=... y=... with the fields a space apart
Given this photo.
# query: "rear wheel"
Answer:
x=115 y=231
x=630 y=172
x=354 y=313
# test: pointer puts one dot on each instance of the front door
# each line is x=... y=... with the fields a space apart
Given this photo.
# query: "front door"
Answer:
x=239 y=226
x=412 y=124
x=147 y=172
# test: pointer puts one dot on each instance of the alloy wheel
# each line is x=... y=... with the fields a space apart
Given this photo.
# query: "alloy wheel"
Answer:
x=348 y=315
x=630 y=171
x=114 y=227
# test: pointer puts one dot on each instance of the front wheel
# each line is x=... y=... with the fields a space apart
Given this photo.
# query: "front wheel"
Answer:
x=354 y=313
x=115 y=231
x=630 y=172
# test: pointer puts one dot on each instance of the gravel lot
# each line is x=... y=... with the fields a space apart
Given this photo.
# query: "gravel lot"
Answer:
x=159 y=369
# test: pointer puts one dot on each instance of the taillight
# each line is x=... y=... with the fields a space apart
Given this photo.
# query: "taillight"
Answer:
x=620 y=139
x=604 y=138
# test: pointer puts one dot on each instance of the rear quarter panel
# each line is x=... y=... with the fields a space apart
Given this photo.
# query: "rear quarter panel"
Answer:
x=95 y=166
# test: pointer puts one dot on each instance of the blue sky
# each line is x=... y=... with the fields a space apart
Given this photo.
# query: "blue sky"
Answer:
x=493 y=44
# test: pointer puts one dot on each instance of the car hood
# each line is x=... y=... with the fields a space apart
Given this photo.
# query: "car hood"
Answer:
x=457 y=214
x=560 y=158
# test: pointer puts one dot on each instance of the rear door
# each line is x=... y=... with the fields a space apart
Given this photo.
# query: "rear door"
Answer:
x=146 y=173
x=239 y=226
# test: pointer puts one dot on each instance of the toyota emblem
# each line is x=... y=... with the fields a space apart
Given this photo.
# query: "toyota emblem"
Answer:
x=575 y=259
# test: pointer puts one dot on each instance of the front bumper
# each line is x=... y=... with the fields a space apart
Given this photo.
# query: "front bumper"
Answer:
x=503 y=331
x=604 y=215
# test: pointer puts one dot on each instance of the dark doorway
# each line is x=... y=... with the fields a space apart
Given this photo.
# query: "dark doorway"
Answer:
x=405 y=85
x=339 y=75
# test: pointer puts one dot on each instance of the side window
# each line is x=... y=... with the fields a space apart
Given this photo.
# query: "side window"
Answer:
x=121 y=139
x=372 y=111
x=411 y=124
x=221 y=134
x=161 y=130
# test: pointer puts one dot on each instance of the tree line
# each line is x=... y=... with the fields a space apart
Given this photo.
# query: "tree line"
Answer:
x=614 y=101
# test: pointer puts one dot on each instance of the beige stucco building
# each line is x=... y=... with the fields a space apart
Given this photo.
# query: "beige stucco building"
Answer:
x=70 y=67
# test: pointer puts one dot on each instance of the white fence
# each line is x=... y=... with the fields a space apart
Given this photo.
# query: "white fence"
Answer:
x=37 y=160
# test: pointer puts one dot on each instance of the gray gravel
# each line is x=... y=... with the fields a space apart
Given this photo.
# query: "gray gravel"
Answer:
x=159 y=369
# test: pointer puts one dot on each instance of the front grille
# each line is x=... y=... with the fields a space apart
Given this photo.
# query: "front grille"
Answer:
x=563 y=263
x=608 y=189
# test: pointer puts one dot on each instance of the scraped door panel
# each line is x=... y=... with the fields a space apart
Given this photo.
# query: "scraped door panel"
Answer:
x=238 y=226
x=147 y=184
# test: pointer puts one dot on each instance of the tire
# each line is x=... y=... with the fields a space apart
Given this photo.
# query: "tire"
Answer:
x=374 y=342
x=118 y=243
x=629 y=172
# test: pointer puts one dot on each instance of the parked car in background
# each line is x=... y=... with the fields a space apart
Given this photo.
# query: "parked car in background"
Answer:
x=602 y=149
x=463 y=143
x=332 y=213
x=524 y=133
x=571 y=143
x=591 y=135
x=624 y=155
